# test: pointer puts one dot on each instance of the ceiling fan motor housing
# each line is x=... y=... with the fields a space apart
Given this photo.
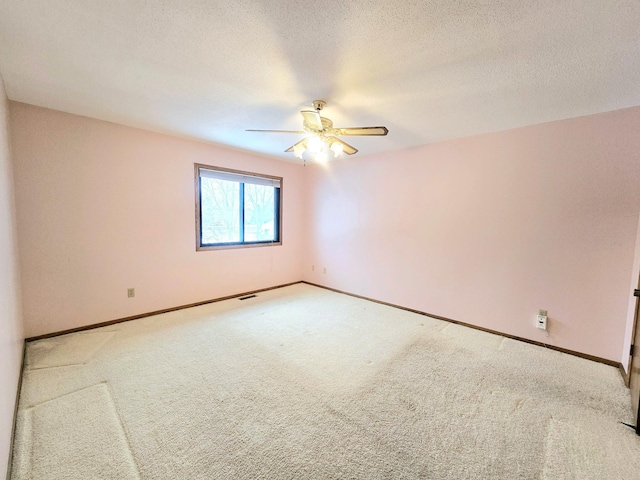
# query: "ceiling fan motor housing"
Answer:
x=327 y=126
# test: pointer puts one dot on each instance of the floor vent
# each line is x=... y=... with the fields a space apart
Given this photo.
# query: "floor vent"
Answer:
x=248 y=296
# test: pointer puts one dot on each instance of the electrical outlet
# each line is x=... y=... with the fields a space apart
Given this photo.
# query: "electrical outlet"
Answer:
x=131 y=292
x=313 y=268
x=324 y=270
x=541 y=322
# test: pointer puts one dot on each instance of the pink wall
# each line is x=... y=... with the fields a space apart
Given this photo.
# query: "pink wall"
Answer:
x=11 y=335
x=103 y=207
x=489 y=229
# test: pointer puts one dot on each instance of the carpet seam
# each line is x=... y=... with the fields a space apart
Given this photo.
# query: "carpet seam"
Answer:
x=35 y=405
x=29 y=369
x=124 y=430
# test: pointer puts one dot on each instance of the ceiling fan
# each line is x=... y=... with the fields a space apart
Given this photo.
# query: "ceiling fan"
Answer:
x=320 y=132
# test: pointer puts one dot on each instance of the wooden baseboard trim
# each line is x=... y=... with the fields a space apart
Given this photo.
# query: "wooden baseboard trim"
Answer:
x=476 y=327
x=419 y=312
x=156 y=312
x=15 y=411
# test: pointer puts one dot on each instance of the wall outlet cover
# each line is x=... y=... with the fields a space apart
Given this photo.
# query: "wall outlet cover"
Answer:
x=542 y=322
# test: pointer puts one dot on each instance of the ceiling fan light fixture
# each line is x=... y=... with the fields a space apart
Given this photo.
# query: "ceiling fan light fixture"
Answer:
x=315 y=144
x=298 y=150
x=337 y=148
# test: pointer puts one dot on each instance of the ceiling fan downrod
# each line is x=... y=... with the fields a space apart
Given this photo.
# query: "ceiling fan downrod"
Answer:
x=319 y=104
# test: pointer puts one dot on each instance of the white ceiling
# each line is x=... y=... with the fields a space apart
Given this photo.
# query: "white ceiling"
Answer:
x=429 y=70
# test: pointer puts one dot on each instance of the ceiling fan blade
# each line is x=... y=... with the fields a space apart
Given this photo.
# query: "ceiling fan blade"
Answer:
x=301 y=142
x=346 y=148
x=363 y=131
x=299 y=132
x=312 y=118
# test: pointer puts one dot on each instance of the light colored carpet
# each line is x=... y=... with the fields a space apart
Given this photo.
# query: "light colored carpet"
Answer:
x=301 y=382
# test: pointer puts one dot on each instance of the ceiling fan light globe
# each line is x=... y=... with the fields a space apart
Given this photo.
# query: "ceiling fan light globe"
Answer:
x=298 y=150
x=337 y=149
x=315 y=144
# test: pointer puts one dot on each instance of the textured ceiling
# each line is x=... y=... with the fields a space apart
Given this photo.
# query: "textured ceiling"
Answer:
x=429 y=70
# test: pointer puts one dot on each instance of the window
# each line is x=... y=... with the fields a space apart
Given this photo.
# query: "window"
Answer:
x=236 y=209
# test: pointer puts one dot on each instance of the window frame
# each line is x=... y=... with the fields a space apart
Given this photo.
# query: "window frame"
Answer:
x=223 y=246
x=198 y=213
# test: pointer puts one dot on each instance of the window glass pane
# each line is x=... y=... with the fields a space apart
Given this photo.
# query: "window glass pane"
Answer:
x=259 y=213
x=220 y=204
